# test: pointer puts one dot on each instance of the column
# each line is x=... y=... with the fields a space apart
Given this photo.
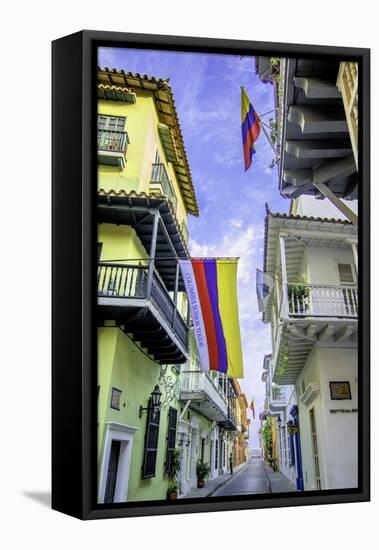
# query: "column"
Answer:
x=282 y=245
x=152 y=254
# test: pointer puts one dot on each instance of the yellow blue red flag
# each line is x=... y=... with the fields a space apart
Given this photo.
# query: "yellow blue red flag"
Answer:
x=251 y=128
x=211 y=286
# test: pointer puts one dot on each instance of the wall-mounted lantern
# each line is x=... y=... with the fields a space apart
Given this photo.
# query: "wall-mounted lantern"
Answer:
x=154 y=401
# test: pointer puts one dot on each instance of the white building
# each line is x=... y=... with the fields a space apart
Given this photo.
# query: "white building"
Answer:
x=207 y=422
x=313 y=312
x=279 y=401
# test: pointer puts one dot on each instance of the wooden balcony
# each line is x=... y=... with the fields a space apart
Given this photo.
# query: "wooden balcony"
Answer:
x=161 y=182
x=139 y=211
x=112 y=147
x=315 y=300
x=277 y=399
x=143 y=309
x=310 y=314
x=347 y=84
x=206 y=397
x=230 y=424
x=315 y=121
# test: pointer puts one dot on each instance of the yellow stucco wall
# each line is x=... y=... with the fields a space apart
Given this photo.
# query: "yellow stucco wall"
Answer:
x=123 y=366
x=120 y=242
x=142 y=128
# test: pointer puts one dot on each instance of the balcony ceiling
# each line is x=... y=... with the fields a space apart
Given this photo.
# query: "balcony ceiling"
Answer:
x=202 y=404
x=145 y=326
x=136 y=210
x=298 y=338
x=315 y=140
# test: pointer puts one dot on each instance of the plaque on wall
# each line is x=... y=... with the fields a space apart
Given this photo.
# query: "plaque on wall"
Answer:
x=340 y=390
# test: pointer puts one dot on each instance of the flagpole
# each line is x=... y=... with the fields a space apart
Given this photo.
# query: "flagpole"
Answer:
x=268 y=138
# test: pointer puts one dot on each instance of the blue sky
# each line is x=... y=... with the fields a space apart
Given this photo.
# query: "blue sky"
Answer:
x=207 y=93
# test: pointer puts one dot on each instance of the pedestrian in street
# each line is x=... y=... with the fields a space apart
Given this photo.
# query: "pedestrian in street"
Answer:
x=231 y=463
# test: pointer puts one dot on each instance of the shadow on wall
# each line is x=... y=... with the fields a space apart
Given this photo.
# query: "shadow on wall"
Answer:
x=41 y=497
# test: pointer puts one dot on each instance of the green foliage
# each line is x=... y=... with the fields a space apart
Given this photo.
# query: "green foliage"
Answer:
x=176 y=463
x=202 y=470
x=283 y=360
x=175 y=467
x=273 y=123
x=266 y=435
x=276 y=391
x=274 y=162
x=172 y=486
x=298 y=295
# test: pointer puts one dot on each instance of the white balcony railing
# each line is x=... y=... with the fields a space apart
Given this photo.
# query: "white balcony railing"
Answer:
x=316 y=300
x=278 y=397
x=200 y=384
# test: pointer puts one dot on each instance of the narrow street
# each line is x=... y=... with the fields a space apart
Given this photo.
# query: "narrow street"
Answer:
x=252 y=480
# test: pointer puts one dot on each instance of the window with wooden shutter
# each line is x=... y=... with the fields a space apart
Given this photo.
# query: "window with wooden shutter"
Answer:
x=151 y=442
x=345 y=273
x=171 y=437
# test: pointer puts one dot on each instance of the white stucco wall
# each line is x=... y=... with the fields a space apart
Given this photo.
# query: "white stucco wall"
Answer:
x=337 y=433
x=319 y=264
x=307 y=205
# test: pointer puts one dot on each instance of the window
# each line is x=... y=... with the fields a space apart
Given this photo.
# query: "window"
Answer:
x=111 y=123
x=216 y=454
x=157 y=159
x=151 y=442
x=115 y=399
x=171 y=437
x=345 y=274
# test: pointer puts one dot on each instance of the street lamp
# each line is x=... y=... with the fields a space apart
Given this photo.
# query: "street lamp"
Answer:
x=154 y=401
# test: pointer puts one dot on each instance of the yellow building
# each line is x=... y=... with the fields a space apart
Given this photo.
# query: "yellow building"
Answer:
x=145 y=193
x=239 y=409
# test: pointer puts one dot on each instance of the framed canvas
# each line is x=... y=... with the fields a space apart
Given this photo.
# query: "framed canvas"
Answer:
x=210 y=249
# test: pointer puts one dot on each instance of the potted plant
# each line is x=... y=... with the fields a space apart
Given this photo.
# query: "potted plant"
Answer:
x=172 y=489
x=174 y=469
x=202 y=472
x=276 y=392
x=298 y=294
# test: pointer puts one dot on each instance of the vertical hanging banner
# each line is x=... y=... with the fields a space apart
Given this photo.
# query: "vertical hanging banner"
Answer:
x=195 y=308
x=264 y=287
x=211 y=286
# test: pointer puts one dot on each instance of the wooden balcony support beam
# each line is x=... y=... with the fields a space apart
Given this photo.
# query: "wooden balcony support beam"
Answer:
x=152 y=254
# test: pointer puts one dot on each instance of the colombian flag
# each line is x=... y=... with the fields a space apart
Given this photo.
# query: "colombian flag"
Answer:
x=251 y=128
x=211 y=286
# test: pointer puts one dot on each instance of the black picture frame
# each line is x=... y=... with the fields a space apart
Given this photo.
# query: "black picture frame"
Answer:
x=74 y=254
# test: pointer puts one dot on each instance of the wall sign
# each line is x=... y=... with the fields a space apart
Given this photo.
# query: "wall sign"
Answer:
x=340 y=390
x=115 y=399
